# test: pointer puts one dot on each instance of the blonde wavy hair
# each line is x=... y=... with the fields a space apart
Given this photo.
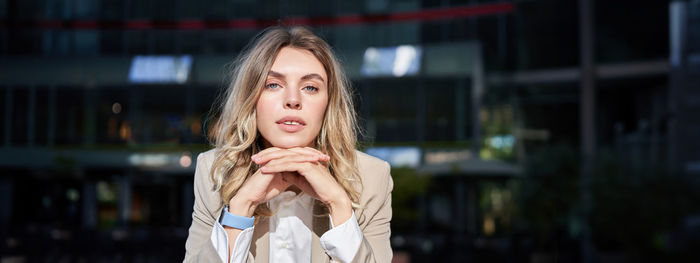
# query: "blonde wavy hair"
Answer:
x=235 y=133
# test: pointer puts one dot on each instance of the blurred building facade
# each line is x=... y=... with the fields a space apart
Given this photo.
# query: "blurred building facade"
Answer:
x=99 y=149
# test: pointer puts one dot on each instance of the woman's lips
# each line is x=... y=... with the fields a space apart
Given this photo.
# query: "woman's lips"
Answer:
x=290 y=126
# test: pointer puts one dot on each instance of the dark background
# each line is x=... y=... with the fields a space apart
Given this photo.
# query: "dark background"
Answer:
x=534 y=130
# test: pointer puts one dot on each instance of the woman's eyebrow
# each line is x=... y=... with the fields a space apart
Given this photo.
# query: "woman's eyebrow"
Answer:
x=275 y=74
x=313 y=76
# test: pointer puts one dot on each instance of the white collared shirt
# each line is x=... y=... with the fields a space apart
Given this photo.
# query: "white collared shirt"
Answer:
x=290 y=234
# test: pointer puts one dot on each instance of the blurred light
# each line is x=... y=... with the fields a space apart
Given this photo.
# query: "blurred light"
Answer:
x=72 y=195
x=677 y=26
x=397 y=61
x=116 y=108
x=105 y=192
x=186 y=160
x=530 y=134
x=46 y=201
x=438 y=157
x=160 y=69
x=502 y=141
x=125 y=131
x=405 y=57
x=398 y=241
x=489 y=226
x=149 y=159
x=397 y=156
x=196 y=128
x=427 y=245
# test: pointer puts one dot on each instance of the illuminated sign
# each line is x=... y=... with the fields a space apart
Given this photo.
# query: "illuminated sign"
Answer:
x=160 y=69
x=391 y=61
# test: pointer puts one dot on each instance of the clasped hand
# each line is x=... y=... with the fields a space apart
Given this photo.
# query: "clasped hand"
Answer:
x=281 y=168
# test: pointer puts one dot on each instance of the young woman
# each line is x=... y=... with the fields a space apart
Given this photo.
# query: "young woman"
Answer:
x=285 y=183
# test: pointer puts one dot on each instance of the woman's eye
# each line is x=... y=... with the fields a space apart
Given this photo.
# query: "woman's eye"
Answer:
x=272 y=86
x=310 y=88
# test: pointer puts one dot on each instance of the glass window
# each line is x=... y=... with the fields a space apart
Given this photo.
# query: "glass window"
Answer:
x=69 y=115
x=111 y=42
x=86 y=42
x=113 y=108
x=137 y=42
x=3 y=98
x=164 y=42
x=202 y=119
x=41 y=115
x=190 y=41
x=85 y=9
x=112 y=9
x=24 y=42
x=163 y=116
x=440 y=109
x=216 y=42
x=20 y=116
x=393 y=106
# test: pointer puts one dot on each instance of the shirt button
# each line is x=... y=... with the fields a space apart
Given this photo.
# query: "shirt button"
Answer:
x=284 y=245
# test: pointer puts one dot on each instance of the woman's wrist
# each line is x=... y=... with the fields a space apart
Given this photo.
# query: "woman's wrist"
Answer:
x=241 y=207
x=340 y=210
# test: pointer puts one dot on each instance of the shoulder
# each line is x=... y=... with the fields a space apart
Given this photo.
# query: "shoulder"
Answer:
x=377 y=185
x=367 y=163
x=202 y=176
x=206 y=157
x=375 y=174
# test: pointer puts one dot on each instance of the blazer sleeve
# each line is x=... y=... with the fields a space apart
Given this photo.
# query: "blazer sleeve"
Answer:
x=206 y=209
x=376 y=245
x=198 y=247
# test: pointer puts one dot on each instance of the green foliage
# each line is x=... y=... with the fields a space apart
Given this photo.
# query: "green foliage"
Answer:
x=549 y=192
x=408 y=186
x=633 y=207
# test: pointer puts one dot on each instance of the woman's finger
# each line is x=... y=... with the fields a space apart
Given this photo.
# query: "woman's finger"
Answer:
x=266 y=151
x=308 y=150
x=287 y=165
x=301 y=182
x=262 y=158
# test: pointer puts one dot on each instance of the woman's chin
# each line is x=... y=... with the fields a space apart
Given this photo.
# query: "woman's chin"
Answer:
x=286 y=144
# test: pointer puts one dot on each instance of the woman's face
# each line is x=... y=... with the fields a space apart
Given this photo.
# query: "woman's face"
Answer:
x=292 y=104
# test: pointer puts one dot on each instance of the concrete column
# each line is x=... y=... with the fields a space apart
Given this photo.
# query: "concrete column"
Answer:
x=477 y=93
x=460 y=107
x=31 y=116
x=461 y=207
x=89 y=201
x=472 y=205
x=8 y=117
x=90 y=95
x=51 y=131
x=420 y=112
x=587 y=114
x=124 y=199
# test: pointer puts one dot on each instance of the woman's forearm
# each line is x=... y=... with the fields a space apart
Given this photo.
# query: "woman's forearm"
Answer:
x=240 y=208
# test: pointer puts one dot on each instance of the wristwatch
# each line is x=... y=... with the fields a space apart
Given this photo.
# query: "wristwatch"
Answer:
x=235 y=221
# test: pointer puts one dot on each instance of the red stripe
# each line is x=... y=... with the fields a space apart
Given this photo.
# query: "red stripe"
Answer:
x=138 y=24
x=85 y=24
x=196 y=24
x=191 y=24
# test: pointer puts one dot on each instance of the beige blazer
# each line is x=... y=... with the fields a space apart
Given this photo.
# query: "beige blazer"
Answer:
x=374 y=217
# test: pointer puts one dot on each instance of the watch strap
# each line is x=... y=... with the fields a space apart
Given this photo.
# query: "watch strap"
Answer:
x=236 y=221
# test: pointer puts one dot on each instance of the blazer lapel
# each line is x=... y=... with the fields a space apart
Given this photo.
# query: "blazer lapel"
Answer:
x=260 y=247
x=321 y=224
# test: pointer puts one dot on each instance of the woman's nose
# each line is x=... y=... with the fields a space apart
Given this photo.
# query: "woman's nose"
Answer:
x=292 y=100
